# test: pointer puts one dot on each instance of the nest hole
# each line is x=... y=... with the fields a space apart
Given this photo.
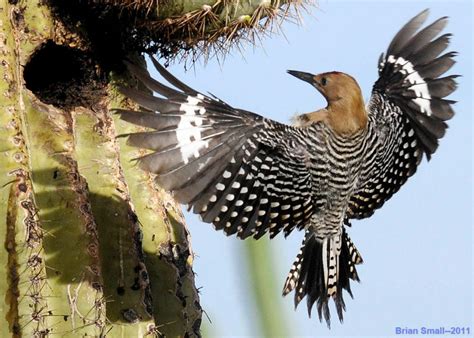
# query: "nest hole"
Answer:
x=64 y=77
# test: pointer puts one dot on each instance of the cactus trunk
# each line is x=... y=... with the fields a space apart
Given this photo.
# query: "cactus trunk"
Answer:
x=90 y=245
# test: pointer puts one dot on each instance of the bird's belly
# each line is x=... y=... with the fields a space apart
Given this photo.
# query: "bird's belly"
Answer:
x=332 y=191
x=329 y=216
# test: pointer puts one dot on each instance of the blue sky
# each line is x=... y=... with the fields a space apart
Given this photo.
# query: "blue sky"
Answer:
x=417 y=249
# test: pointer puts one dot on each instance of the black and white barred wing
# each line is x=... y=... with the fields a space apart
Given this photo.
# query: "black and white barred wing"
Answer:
x=408 y=110
x=241 y=172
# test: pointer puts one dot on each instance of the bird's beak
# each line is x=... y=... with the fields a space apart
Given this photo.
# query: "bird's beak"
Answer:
x=307 y=77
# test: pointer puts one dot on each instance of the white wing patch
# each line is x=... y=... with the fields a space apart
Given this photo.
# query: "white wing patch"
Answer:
x=189 y=133
x=418 y=85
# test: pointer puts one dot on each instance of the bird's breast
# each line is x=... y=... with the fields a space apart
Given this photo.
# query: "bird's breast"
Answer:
x=335 y=168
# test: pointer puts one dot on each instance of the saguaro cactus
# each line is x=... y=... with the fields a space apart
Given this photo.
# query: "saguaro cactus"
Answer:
x=91 y=246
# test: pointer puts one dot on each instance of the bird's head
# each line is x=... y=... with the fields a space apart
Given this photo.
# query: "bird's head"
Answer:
x=346 y=108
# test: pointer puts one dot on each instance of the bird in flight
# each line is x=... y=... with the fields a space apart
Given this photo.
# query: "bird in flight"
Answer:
x=249 y=175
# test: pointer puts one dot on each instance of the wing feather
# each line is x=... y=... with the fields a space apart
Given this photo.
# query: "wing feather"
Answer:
x=236 y=169
x=408 y=111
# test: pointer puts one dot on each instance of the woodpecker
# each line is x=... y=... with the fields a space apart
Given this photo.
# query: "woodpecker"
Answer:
x=249 y=175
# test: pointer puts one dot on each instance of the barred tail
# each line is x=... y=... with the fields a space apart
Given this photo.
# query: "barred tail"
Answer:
x=411 y=77
x=322 y=270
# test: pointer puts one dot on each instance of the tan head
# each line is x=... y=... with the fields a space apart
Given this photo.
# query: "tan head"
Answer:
x=346 y=109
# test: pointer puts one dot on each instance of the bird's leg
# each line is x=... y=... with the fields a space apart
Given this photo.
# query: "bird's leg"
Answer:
x=304 y=120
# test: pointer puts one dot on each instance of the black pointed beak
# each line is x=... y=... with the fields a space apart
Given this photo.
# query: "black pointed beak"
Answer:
x=307 y=77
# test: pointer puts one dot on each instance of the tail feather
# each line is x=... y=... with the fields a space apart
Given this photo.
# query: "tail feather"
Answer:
x=322 y=269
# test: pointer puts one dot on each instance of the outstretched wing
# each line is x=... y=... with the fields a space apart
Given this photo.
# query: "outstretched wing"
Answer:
x=241 y=172
x=407 y=110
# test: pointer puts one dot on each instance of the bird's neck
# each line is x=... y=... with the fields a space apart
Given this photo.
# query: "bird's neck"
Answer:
x=347 y=116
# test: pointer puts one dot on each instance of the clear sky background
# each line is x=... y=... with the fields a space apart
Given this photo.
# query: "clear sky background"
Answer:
x=417 y=249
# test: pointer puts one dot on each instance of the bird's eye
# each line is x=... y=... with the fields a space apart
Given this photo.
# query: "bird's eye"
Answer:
x=324 y=81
